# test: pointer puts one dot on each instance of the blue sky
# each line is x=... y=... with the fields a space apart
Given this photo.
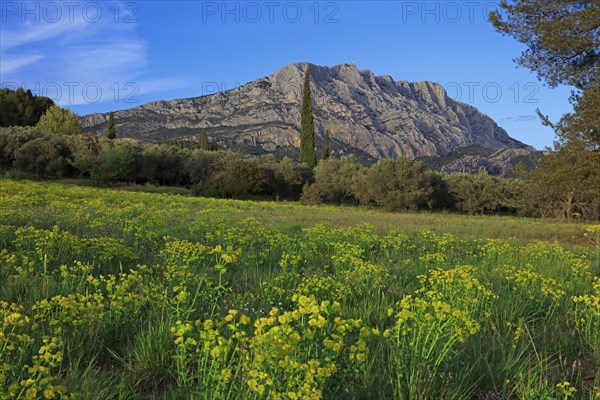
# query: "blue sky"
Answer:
x=97 y=56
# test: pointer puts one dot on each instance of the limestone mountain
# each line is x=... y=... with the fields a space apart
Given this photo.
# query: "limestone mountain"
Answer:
x=371 y=116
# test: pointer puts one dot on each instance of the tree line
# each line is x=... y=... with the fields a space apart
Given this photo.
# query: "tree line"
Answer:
x=562 y=43
x=564 y=185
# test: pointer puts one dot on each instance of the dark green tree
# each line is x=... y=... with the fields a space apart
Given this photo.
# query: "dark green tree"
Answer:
x=475 y=192
x=105 y=161
x=46 y=157
x=214 y=146
x=204 y=141
x=112 y=132
x=325 y=151
x=334 y=181
x=21 y=108
x=399 y=184
x=11 y=139
x=562 y=37
x=308 y=154
x=563 y=47
x=564 y=184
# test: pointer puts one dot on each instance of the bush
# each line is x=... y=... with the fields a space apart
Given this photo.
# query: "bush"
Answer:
x=440 y=197
x=334 y=181
x=476 y=193
x=399 y=184
x=45 y=157
x=13 y=138
x=286 y=177
x=202 y=164
x=163 y=165
x=104 y=160
x=239 y=177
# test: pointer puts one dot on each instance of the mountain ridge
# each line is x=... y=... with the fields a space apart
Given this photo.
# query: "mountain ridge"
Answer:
x=364 y=113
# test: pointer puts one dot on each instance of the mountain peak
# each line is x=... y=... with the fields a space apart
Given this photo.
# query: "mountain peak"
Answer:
x=368 y=115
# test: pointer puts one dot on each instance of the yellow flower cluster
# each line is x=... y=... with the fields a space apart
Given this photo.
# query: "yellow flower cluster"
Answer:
x=285 y=358
x=460 y=288
x=72 y=309
x=286 y=355
x=416 y=314
x=40 y=381
x=497 y=248
x=17 y=339
x=354 y=271
x=592 y=232
x=533 y=284
x=323 y=288
x=587 y=320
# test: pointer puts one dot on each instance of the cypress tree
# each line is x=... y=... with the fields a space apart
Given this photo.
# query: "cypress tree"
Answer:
x=204 y=141
x=112 y=132
x=307 y=126
x=214 y=146
x=325 y=152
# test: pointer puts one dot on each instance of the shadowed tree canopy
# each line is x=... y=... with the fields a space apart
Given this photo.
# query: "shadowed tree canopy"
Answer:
x=112 y=132
x=325 y=152
x=204 y=144
x=21 y=108
x=563 y=38
x=563 y=47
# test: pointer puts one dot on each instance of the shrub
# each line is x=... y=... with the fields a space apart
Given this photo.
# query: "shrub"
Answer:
x=399 y=184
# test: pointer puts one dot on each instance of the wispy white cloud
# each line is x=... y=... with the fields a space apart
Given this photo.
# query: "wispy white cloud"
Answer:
x=96 y=62
x=29 y=32
x=521 y=118
x=16 y=62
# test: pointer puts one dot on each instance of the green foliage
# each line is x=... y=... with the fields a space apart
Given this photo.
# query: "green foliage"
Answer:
x=162 y=164
x=112 y=132
x=474 y=193
x=135 y=295
x=334 y=181
x=201 y=165
x=105 y=161
x=13 y=138
x=204 y=144
x=565 y=185
x=214 y=145
x=238 y=177
x=21 y=108
x=391 y=184
x=440 y=197
x=59 y=121
x=286 y=177
x=325 y=151
x=562 y=39
x=307 y=126
x=582 y=127
x=45 y=157
x=399 y=184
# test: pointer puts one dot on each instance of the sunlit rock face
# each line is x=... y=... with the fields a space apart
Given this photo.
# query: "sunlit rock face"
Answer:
x=372 y=116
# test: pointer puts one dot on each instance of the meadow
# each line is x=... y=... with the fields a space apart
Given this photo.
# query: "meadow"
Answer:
x=114 y=294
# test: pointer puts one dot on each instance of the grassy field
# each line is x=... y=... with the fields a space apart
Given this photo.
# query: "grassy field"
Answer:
x=113 y=294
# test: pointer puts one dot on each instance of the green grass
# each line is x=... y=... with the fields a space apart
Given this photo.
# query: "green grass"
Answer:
x=290 y=216
x=110 y=293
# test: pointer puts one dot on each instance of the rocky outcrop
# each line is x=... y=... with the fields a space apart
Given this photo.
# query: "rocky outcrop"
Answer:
x=501 y=162
x=370 y=115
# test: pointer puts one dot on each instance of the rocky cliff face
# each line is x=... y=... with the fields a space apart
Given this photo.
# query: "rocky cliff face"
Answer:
x=502 y=162
x=372 y=116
